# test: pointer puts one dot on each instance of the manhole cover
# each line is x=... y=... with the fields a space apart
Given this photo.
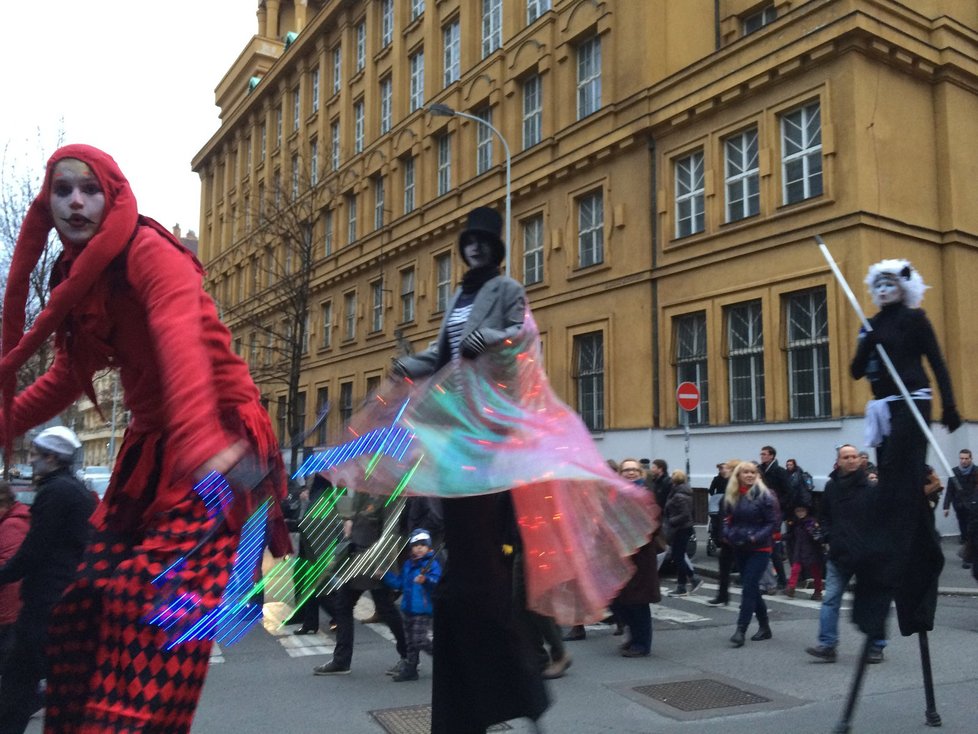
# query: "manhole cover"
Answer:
x=414 y=720
x=700 y=695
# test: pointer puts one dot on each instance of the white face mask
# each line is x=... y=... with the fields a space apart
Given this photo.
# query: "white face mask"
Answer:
x=887 y=290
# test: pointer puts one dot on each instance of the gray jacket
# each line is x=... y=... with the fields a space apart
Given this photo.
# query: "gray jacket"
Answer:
x=497 y=312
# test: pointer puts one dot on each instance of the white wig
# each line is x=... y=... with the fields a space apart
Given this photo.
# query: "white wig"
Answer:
x=911 y=283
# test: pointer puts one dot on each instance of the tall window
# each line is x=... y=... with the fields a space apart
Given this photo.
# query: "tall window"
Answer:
x=758 y=19
x=451 y=42
x=306 y=332
x=409 y=184
x=334 y=142
x=337 y=69
x=350 y=315
x=801 y=154
x=253 y=350
x=262 y=142
x=590 y=229
x=278 y=126
x=327 y=316
x=327 y=232
x=296 y=109
x=346 y=402
x=536 y=8
x=417 y=9
x=492 y=26
x=532 y=111
x=377 y=305
x=745 y=362
x=691 y=361
x=589 y=376
x=690 y=193
x=378 y=202
x=444 y=163
x=809 y=389
x=295 y=177
x=314 y=84
x=742 y=175
x=443 y=281
x=407 y=295
x=483 y=142
x=416 y=63
x=532 y=249
x=322 y=399
x=358 y=121
x=386 y=22
x=361 y=45
x=351 y=218
x=314 y=162
x=588 y=77
x=386 y=97
x=281 y=414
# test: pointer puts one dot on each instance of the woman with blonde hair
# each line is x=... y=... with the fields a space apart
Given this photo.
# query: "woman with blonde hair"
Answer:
x=752 y=515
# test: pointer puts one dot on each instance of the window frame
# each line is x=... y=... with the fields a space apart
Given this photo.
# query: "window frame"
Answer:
x=386 y=104
x=408 y=294
x=492 y=26
x=532 y=256
x=693 y=195
x=416 y=77
x=806 y=154
x=743 y=176
x=314 y=87
x=351 y=218
x=386 y=23
x=377 y=306
x=744 y=353
x=588 y=66
x=379 y=201
x=337 y=68
x=590 y=403
x=410 y=184
x=326 y=316
x=483 y=141
x=444 y=152
x=361 y=46
x=532 y=88
x=350 y=316
x=536 y=8
x=593 y=228
x=451 y=38
x=442 y=271
x=818 y=346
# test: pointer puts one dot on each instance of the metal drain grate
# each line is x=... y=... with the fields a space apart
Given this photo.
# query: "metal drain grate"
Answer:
x=700 y=695
x=414 y=720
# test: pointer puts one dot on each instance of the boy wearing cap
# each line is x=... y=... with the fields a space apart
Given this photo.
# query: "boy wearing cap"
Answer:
x=418 y=578
x=45 y=562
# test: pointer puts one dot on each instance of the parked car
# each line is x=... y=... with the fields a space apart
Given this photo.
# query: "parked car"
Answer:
x=98 y=483
x=22 y=471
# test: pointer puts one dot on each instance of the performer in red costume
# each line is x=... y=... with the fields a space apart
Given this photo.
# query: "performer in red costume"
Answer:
x=126 y=295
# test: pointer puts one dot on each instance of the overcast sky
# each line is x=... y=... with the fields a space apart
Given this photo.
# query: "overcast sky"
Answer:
x=134 y=78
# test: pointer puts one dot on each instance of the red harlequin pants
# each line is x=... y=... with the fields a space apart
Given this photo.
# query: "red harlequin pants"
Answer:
x=110 y=671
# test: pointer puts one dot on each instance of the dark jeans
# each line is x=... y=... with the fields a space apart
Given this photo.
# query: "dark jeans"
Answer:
x=544 y=631
x=677 y=548
x=384 y=602
x=726 y=561
x=309 y=611
x=638 y=619
x=23 y=670
x=777 y=558
x=961 y=513
x=752 y=564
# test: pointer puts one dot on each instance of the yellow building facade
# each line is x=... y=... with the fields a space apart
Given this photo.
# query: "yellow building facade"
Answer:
x=671 y=164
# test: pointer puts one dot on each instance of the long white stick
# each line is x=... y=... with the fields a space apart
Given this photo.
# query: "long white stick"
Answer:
x=884 y=356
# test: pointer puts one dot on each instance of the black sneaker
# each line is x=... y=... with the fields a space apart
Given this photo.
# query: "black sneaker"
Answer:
x=331 y=668
x=875 y=656
x=823 y=653
x=396 y=667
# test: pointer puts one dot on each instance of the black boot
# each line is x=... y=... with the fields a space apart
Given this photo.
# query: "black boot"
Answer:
x=764 y=633
x=718 y=600
x=737 y=639
x=408 y=671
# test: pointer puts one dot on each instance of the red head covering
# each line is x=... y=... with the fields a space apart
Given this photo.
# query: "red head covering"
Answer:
x=117 y=228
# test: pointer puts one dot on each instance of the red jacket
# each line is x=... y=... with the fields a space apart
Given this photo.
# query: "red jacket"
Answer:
x=14 y=524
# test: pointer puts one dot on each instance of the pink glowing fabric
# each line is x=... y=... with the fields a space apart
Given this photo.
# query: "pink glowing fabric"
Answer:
x=494 y=424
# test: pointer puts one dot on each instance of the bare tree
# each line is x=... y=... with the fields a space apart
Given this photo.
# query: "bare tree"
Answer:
x=274 y=318
x=21 y=177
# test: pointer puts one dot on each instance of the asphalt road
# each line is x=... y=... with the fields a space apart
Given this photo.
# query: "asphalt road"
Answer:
x=264 y=683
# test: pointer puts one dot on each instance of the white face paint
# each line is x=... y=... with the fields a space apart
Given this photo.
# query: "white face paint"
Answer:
x=887 y=290
x=77 y=201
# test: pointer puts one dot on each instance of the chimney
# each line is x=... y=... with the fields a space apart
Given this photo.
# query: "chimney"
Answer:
x=176 y=231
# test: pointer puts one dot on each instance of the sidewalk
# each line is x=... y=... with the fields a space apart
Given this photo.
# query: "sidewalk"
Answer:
x=955 y=580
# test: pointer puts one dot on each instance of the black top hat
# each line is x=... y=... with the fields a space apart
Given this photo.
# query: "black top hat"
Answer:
x=485 y=221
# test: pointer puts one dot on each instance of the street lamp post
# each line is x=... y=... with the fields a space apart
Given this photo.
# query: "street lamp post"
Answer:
x=443 y=110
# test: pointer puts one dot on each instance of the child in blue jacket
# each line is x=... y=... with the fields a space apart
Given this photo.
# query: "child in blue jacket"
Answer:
x=417 y=580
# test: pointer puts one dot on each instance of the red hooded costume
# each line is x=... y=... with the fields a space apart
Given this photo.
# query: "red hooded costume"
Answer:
x=131 y=299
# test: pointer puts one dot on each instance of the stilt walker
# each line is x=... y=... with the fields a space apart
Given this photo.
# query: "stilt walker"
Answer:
x=902 y=558
x=127 y=295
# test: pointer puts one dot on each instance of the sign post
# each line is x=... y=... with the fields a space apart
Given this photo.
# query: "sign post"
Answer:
x=688 y=397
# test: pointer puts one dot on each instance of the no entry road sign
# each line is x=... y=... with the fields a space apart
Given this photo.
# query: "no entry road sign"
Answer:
x=688 y=396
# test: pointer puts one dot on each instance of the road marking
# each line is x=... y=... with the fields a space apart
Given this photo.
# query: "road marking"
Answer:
x=802 y=602
x=217 y=655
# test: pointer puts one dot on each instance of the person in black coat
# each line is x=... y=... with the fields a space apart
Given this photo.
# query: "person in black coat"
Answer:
x=45 y=562
x=906 y=544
